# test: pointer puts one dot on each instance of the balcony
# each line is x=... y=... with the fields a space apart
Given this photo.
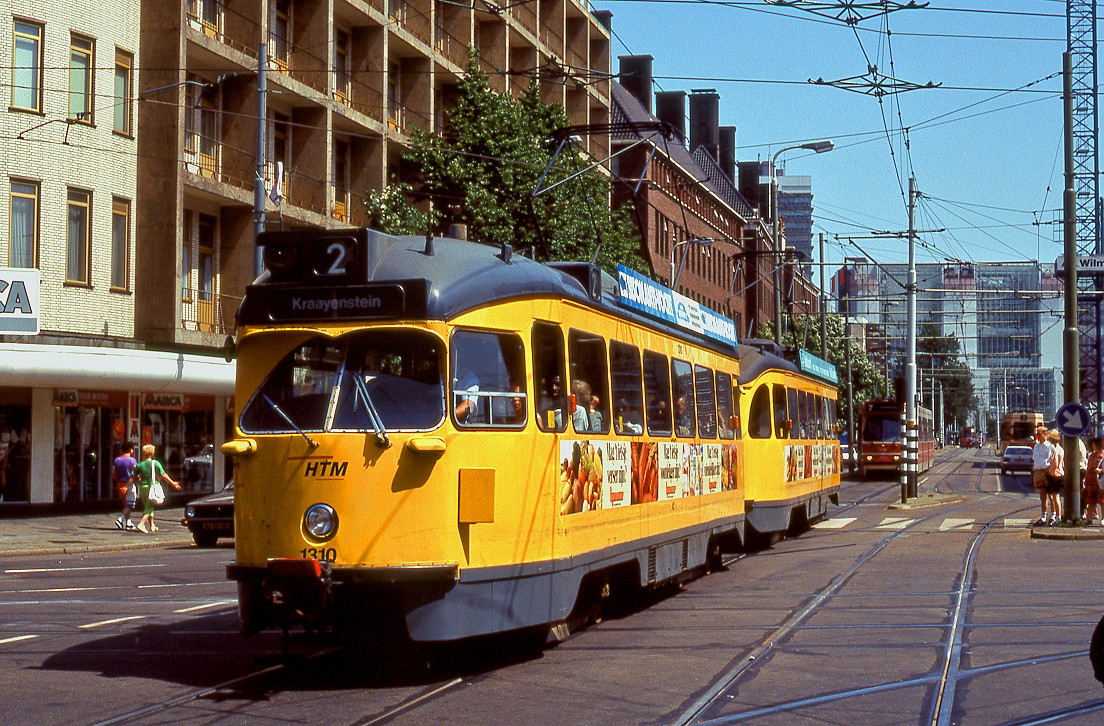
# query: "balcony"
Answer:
x=229 y=27
x=205 y=312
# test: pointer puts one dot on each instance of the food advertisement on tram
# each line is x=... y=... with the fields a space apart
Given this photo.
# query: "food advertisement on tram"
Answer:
x=607 y=474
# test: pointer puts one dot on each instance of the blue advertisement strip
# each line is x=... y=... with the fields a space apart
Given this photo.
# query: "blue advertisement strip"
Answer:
x=817 y=366
x=639 y=293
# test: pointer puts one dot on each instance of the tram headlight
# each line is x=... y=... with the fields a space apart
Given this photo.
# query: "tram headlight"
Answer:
x=320 y=521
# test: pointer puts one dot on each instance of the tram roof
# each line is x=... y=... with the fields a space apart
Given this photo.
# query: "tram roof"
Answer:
x=437 y=282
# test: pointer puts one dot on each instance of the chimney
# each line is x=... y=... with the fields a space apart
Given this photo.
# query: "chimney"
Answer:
x=753 y=189
x=728 y=152
x=604 y=18
x=671 y=108
x=704 y=120
x=636 y=78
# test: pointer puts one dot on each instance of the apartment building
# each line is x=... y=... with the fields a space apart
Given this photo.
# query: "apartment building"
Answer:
x=69 y=159
x=347 y=81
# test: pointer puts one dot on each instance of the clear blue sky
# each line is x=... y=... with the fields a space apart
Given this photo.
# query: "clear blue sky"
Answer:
x=986 y=156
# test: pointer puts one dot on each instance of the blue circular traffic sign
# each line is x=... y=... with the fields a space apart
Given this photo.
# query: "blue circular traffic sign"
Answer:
x=1073 y=419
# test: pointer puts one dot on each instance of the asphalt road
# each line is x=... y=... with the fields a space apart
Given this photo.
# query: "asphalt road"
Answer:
x=945 y=613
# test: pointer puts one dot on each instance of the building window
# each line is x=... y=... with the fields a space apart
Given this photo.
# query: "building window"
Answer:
x=186 y=259
x=341 y=180
x=80 y=78
x=124 y=62
x=120 y=243
x=79 y=240
x=23 y=234
x=342 y=78
x=205 y=282
x=281 y=34
x=27 y=72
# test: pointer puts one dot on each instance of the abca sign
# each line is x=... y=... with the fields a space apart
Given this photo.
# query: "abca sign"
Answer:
x=19 y=300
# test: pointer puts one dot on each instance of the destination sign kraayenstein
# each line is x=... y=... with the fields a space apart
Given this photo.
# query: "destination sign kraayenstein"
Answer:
x=816 y=366
x=641 y=294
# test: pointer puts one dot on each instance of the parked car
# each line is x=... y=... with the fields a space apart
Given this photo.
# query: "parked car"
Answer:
x=1016 y=458
x=211 y=517
x=847 y=453
x=198 y=469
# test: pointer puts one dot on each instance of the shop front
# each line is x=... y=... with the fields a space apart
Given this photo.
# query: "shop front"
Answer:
x=70 y=410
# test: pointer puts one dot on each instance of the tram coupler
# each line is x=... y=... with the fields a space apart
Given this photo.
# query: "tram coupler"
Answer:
x=297 y=591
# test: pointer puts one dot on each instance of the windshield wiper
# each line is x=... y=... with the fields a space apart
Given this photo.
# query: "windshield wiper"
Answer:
x=370 y=409
x=284 y=416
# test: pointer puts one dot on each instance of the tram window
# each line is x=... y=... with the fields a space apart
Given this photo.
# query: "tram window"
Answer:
x=833 y=421
x=759 y=425
x=808 y=418
x=682 y=390
x=488 y=380
x=628 y=406
x=657 y=389
x=796 y=419
x=590 y=405
x=707 y=409
x=822 y=417
x=736 y=409
x=548 y=373
x=780 y=429
x=400 y=372
x=725 y=423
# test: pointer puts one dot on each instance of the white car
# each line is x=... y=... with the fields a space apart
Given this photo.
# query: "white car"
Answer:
x=1016 y=458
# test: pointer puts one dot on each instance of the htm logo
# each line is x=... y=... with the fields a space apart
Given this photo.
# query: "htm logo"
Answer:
x=326 y=468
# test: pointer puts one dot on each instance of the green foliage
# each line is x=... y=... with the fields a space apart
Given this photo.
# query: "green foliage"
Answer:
x=940 y=357
x=482 y=169
x=867 y=380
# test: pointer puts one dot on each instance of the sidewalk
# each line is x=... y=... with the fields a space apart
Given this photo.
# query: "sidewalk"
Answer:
x=77 y=533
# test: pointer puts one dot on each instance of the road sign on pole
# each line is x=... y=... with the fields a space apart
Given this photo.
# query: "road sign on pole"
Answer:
x=1073 y=419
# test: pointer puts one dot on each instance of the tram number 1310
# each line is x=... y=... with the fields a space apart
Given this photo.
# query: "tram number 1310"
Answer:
x=324 y=554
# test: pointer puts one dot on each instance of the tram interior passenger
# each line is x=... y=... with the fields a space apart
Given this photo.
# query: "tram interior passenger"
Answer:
x=488 y=376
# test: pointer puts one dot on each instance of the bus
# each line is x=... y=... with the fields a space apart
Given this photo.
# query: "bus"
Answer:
x=880 y=438
x=1018 y=429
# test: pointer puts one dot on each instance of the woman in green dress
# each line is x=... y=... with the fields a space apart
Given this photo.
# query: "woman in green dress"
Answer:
x=145 y=473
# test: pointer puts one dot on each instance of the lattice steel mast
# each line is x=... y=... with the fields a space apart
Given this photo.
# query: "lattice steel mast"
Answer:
x=1081 y=41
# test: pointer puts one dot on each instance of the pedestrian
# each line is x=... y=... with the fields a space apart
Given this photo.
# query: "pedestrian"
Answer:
x=1056 y=475
x=146 y=472
x=121 y=472
x=1040 y=460
x=1090 y=497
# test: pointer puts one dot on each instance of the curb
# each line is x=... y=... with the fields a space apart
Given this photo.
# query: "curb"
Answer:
x=1079 y=534
x=928 y=500
x=78 y=549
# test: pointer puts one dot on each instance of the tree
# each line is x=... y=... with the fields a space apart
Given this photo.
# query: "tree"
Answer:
x=868 y=382
x=482 y=170
x=941 y=358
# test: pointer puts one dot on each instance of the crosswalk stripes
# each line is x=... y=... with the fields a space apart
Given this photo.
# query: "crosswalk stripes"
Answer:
x=952 y=523
x=1012 y=523
x=838 y=523
x=894 y=523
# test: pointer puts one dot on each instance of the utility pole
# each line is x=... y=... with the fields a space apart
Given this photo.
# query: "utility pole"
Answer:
x=911 y=433
x=851 y=463
x=1071 y=339
x=259 y=193
x=823 y=305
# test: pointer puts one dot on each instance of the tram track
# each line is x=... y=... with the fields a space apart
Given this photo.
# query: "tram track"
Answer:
x=944 y=679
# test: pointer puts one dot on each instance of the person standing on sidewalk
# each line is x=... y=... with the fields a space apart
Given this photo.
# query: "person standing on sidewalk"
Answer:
x=1090 y=495
x=1056 y=475
x=121 y=472
x=1040 y=461
x=145 y=473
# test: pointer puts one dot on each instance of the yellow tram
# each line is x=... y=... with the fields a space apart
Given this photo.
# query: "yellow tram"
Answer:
x=791 y=441
x=469 y=441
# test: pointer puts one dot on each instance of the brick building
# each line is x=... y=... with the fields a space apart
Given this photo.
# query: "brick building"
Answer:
x=690 y=192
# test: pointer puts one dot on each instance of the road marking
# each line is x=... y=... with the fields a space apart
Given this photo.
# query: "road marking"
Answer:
x=17 y=638
x=112 y=621
x=37 y=570
x=1009 y=522
x=951 y=523
x=838 y=523
x=205 y=607
x=894 y=523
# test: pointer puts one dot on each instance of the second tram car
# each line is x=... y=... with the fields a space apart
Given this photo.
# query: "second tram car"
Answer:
x=1018 y=429
x=881 y=438
x=790 y=433
x=443 y=436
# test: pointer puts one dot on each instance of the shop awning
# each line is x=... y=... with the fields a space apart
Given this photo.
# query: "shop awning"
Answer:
x=114 y=369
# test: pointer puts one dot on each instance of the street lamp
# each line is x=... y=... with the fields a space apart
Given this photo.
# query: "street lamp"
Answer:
x=818 y=147
x=673 y=277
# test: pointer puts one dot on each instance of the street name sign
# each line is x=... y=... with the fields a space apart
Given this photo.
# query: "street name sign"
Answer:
x=1073 y=419
x=1091 y=265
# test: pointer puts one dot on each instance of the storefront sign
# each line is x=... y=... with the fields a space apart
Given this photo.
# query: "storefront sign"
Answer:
x=163 y=401
x=88 y=399
x=19 y=300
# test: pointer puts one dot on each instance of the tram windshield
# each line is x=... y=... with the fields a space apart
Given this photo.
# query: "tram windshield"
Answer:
x=345 y=383
x=881 y=429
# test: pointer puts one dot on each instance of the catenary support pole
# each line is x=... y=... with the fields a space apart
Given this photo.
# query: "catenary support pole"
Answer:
x=911 y=437
x=259 y=193
x=1071 y=336
x=824 y=304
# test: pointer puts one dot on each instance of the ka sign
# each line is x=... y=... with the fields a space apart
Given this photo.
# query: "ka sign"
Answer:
x=19 y=300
